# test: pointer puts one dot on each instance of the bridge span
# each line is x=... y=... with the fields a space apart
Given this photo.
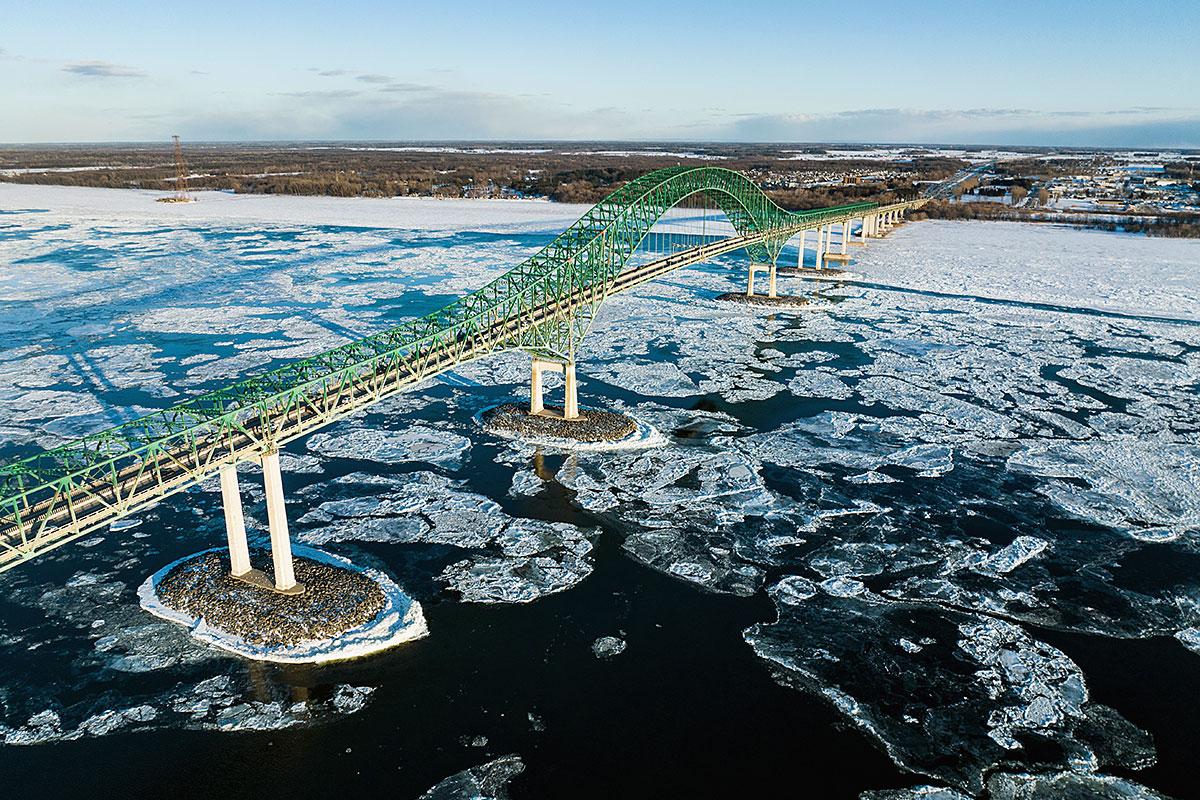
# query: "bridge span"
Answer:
x=544 y=306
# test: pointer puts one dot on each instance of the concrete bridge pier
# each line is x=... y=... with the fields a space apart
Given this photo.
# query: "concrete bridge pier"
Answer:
x=235 y=523
x=754 y=268
x=800 y=247
x=820 y=248
x=862 y=233
x=281 y=542
x=846 y=237
x=570 y=388
x=235 y=529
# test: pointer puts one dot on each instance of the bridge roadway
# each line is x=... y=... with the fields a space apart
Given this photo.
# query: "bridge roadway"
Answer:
x=41 y=518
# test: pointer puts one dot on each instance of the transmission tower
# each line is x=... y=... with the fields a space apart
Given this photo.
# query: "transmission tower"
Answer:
x=181 y=194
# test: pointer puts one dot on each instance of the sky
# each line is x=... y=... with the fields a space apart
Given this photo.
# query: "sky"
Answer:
x=1099 y=73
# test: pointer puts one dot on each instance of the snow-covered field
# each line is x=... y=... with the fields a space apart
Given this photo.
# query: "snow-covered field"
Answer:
x=994 y=432
x=128 y=206
x=1035 y=263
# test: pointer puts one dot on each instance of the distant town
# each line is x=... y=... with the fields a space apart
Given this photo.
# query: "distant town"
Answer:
x=1157 y=192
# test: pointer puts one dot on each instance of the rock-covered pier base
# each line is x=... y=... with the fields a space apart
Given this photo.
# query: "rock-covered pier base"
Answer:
x=346 y=611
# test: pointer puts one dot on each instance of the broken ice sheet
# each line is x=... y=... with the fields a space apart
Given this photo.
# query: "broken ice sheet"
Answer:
x=212 y=704
x=485 y=782
x=1130 y=483
x=412 y=442
x=975 y=693
x=513 y=560
x=538 y=558
x=1067 y=786
x=683 y=507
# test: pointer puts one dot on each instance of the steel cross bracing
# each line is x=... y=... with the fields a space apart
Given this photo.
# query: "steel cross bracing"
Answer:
x=544 y=305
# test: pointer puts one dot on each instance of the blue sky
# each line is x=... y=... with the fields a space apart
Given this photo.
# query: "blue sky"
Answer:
x=1095 y=73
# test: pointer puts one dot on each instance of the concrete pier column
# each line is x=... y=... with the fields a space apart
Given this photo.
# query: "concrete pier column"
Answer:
x=800 y=247
x=235 y=523
x=571 y=397
x=535 y=388
x=281 y=543
x=862 y=231
x=771 y=292
x=820 y=248
x=750 y=281
x=845 y=237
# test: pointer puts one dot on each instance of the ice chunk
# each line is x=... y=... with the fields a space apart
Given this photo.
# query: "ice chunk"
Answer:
x=915 y=793
x=871 y=476
x=964 y=695
x=485 y=782
x=1009 y=786
x=1190 y=637
x=608 y=646
x=1022 y=549
x=816 y=383
x=411 y=443
x=843 y=587
x=1131 y=484
x=793 y=590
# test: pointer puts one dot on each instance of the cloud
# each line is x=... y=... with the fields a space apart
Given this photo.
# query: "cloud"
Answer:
x=1134 y=127
x=102 y=69
x=322 y=94
x=374 y=78
x=406 y=115
x=407 y=87
x=328 y=73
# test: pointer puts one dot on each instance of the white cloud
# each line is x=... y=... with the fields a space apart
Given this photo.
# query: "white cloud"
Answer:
x=102 y=69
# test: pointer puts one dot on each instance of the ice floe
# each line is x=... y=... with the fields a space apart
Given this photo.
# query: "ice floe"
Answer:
x=485 y=782
x=410 y=443
x=1126 y=484
x=976 y=692
x=608 y=646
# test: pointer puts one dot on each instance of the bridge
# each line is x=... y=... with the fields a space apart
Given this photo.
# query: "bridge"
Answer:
x=544 y=306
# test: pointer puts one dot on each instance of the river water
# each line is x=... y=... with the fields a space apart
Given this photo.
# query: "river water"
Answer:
x=942 y=531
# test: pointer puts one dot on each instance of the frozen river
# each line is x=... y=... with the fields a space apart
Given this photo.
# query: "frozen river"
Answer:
x=944 y=533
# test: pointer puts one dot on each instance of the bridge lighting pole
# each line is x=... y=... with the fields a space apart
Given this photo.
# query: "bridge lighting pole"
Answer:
x=281 y=544
x=235 y=523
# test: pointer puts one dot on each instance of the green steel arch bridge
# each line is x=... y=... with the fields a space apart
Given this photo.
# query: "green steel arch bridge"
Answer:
x=544 y=306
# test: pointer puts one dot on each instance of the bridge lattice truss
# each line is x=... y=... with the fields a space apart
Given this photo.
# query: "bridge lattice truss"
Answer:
x=544 y=305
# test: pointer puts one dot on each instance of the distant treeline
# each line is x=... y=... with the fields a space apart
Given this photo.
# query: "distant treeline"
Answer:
x=576 y=174
x=1183 y=226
